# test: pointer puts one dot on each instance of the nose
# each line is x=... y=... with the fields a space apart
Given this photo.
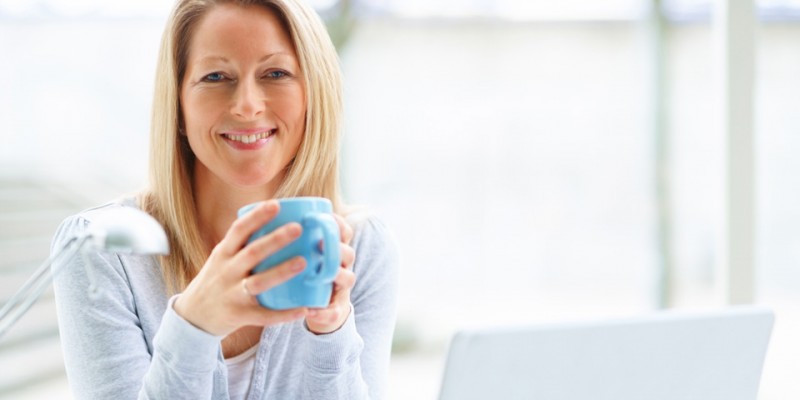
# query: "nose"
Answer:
x=248 y=100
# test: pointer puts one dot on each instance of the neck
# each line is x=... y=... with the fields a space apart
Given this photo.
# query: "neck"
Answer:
x=218 y=202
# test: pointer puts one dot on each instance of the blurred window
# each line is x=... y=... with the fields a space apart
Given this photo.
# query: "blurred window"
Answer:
x=512 y=9
x=694 y=10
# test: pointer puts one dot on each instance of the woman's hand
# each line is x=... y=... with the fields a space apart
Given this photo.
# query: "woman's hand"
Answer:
x=221 y=298
x=327 y=320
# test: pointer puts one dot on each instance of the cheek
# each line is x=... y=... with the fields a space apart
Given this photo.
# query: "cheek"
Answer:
x=188 y=109
x=199 y=109
x=292 y=106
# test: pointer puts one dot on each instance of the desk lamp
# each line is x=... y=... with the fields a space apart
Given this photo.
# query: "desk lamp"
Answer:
x=117 y=230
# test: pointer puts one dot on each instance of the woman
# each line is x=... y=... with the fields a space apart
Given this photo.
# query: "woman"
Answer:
x=247 y=108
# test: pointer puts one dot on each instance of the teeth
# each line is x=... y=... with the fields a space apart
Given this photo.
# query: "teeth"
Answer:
x=247 y=139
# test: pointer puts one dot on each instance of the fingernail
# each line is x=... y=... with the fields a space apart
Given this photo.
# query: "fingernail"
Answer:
x=312 y=313
x=294 y=229
x=298 y=264
x=269 y=204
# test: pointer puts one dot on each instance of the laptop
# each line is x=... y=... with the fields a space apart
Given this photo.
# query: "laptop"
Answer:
x=671 y=355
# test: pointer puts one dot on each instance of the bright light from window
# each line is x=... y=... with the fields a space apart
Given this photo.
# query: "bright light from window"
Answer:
x=702 y=9
x=570 y=9
x=512 y=9
x=103 y=8
x=78 y=8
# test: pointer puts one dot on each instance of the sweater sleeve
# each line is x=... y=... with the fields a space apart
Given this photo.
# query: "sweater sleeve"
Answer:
x=105 y=351
x=353 y=362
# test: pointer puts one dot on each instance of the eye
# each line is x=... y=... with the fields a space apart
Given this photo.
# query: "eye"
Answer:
x=277 y=74
x=214 y=77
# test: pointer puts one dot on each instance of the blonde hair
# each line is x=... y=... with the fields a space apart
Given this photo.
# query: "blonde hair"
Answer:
x=314 y=170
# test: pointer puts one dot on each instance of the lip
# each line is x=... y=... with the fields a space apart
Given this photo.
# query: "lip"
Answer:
x=248 y=131
x=242 y=137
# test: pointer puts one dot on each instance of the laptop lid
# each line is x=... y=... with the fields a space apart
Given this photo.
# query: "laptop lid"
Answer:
x=669 y=355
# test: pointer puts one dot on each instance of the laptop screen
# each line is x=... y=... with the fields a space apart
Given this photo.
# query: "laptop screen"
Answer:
x=715 y=355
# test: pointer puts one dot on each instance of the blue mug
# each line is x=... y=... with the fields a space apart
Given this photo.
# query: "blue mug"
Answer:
x=313 y=286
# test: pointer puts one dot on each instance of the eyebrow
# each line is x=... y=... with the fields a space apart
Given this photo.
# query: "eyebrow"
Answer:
x=226 y=60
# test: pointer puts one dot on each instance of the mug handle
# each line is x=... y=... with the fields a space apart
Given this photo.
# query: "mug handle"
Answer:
x=330 y=254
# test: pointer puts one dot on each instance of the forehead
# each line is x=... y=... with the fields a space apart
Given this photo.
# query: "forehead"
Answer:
x=229 y=28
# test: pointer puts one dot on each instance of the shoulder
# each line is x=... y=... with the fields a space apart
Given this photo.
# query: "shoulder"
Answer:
x=377 y=252
x=369 y=231
x=114 y=248
x=95 y=267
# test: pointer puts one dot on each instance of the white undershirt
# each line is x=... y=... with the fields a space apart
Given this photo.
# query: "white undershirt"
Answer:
x=240 y=373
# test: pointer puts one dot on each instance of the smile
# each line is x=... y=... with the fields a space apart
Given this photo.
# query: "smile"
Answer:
x=251 y=138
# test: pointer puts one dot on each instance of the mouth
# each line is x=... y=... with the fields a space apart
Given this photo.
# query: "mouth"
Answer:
x=249 y=138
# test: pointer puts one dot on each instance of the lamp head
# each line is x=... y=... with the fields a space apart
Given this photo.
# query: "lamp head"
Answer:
x=128 y=230
x=113 y=229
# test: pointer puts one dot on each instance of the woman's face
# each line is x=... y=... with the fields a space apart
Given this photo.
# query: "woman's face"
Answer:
x=243 y=97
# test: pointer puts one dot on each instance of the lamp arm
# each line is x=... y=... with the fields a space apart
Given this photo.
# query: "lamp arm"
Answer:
x=33 y=288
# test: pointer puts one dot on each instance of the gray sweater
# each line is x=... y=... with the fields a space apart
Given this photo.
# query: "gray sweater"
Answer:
x=126 y=341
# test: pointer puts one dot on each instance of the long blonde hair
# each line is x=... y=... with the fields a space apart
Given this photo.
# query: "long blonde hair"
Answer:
x=314 y=170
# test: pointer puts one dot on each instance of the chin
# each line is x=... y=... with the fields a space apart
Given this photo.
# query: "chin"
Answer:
x=253 y=180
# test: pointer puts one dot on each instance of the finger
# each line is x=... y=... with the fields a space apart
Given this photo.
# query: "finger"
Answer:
x=264 y=246
x=348 y=256
x=341 y=296
x=345 y=280
x=332 y=317
x=328 y=316
x=345 y=230
x=263 y=281
x=244 y=226
x=342 y=285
